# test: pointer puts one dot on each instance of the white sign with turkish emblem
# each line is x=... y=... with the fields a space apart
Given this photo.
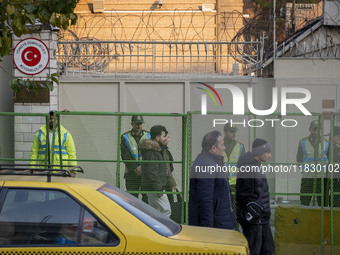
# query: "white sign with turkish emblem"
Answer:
x=31 y=56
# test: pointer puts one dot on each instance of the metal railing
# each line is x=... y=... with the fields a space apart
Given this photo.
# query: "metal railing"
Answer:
x=98 y=151
x=98 y=146
x=135 y=59
x=312 y=50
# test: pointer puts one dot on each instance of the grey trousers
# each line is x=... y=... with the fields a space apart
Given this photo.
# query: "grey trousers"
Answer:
x=160 y=203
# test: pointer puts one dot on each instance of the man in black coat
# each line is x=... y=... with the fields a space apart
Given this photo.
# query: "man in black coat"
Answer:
x=252 y=199
x=210 y=203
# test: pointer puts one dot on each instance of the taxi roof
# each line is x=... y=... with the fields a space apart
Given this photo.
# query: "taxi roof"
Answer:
x=25 y=173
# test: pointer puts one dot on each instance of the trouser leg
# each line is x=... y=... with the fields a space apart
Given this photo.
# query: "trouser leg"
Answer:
x=268 y=246
x=336 y=188
x=260 y=239
x=253 y=234
x=306 y=187
x=160 y=203
x=133 y=183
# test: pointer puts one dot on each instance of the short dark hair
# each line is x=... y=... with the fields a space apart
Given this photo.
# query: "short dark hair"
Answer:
x=210 y=139
x=157 y=131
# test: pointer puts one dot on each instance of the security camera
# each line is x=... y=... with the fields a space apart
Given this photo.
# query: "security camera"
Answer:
x=160 y=3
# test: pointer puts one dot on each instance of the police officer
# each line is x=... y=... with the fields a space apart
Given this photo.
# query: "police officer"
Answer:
x=129 y=151
x=233 y=150
x=307 y=150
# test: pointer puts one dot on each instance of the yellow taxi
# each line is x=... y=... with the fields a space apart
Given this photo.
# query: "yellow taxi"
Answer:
x=58 y=215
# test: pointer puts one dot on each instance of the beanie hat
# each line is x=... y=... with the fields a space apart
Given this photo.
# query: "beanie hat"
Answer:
x=260 y=146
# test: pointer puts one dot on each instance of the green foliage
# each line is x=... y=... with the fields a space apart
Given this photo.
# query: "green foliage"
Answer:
x=16 y=14
x=14 y=17
x=264 y=3
x=31 y=85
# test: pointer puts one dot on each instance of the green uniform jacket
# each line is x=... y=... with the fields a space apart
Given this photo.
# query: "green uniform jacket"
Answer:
x=39 y=148
x=129 y=149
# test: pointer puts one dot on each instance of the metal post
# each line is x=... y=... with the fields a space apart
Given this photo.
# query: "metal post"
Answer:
x=47 y=156
x=331 y=146
x=59 y=139
x=274 y=28
x=188 y=163
x=118 y=152
x=274 y=33
x=184 y=169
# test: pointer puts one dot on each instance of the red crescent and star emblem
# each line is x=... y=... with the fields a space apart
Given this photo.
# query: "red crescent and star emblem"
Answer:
x=31 y=56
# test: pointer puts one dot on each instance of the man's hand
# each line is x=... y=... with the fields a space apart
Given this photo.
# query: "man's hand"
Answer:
x=138 y=170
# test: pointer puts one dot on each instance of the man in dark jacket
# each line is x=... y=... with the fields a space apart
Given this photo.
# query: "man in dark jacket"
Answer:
x=154 y=174
x=210 y=203
x=252 y=199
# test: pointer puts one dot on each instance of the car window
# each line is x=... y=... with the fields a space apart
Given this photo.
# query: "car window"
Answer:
x=147 y=214
x=51 y=217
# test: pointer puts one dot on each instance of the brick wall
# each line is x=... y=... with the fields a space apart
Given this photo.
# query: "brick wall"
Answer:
x=147 y=20
x=143 y=20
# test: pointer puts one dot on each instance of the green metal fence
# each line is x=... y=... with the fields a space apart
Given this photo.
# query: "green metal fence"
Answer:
x=97 y=140
x=97 y=137
x=333 y=184
x=284 y=188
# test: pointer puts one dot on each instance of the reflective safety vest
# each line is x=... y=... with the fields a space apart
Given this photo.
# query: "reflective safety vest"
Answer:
x=308 y=151
x=66 y=148
x=231 y=162
x=132 y=145
x=308 y=156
